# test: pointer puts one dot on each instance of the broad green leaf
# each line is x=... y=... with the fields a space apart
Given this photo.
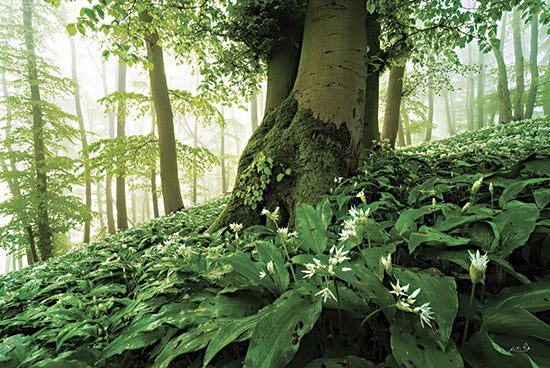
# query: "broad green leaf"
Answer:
x=187 y=342
x=228 y=332
x=136 y=340
x=438 y=290
x=414 y=348
x=71 y=29
x=434 y=237
x=373 y=257
x=84 y=329
x=515 y=224
x=480 y=351
x=542 y=197
x=533 y=297
x=244 y=266
x=312 y=228
x=277 y=335
x=512 y=190
x=517 y=321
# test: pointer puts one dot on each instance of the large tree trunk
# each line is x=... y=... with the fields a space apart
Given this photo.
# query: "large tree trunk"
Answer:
x=254 y=111
x=371 y=131
x=534 y=67
x=282 y=67
x=83 y=139
x=393 y=104
x=121 y=210
x=518 y=53
x=169 y=181
x=42 y=219
x=316 y=132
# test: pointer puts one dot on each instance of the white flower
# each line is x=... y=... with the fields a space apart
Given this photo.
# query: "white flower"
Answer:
x=361 y=195
x=274 y=216
x=411 y=298
x=399 y=290
x=339 y=254
x=478 y=267
x=425 y=313
x=309 y=271
x=270 y=267
x=403 y=305
x=386 y=262
x=262 y=274
x=477 y=185
x=434 y=202
x=491 y=188
x=346 y=269
x=325 y=294
x=236 y=227
x=466 y=206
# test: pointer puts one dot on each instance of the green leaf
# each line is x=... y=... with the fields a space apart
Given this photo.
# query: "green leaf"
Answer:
x=75 y=329
x=434 y=237
x=277 y=335
x=515 y=225
x=532 y=297
x=512 y=190
x=71 y=29
x=517 y=321
x=312 y=228
x=542 y=197
x=280 y=177
x=414 y=348
x=438 y=290
x=344 y=361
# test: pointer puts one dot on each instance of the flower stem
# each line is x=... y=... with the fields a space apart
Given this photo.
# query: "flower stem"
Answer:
x=369 y=316
x=468 y=315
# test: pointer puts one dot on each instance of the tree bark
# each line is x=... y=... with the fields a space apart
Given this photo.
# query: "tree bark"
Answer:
x=111 y=227
x=520 y=68
x=282 y=67
x=171 y=193
x=83 y=139
x=393 y=104
x=316 y=132
x=372 y=92
x=534 y=67
x=254 y=111
x=471 y=92
x=45 y=245
x=429 y=129
x=503 y=92
x=448 y=112
x=121 y=209
x=480 y=92
x=154 y=196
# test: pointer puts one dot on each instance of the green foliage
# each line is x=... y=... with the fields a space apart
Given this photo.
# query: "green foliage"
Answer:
x=254 y=180
x=377 y=275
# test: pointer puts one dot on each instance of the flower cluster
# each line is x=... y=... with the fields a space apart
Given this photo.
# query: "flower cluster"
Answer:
x=273 y=216
x=350 y=225
x=405 y=303
x=478 y=267
x=336 y=257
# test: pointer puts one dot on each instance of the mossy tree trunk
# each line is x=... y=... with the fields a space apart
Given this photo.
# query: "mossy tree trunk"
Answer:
x=393 y=104
x=371 y=131
x=502 y=87
x=316 y=132
x=42 y=220
x=171 y=193
x=480 y=91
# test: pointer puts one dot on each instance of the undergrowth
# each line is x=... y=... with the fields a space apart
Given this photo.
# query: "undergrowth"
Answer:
x=378 y=274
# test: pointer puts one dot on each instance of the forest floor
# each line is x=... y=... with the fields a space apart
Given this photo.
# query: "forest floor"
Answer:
x=166 y=294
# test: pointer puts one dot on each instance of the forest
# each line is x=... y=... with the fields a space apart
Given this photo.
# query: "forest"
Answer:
x=265 y=184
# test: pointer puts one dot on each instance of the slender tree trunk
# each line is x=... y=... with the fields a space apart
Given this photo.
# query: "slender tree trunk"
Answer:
x=254 y=111
x=195 y=144
x=83 y=139
x=121 y=209
x=154 y=196
x=13 y=184
x=503 y=92
x=393 y=103
x=429 y=129
x=400 y=135
x=450 y=125
x=134 y=206
x=222 y=160
x=311 y=132
x=99 y=201
x=372 y=92
x=480 y=92
x=111 y=227
x=471 y=91
x=518 y=52
x=534 y=67
x=42 y=219
x=408 y=138
x=171 y=193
